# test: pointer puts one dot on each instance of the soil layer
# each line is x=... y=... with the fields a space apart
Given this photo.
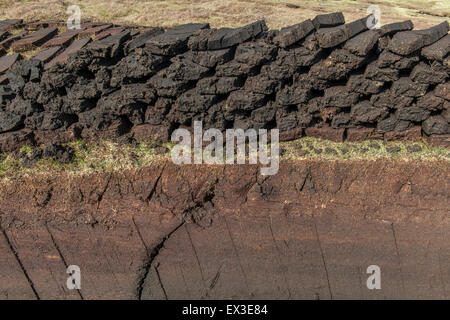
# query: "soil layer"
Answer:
x=226 y=232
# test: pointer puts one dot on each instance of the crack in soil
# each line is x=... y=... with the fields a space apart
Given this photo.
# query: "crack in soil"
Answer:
x=148 y=261
x=21 y=265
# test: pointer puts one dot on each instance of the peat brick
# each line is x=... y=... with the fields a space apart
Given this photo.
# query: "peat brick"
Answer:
x=208 y=39
x=413 y=113
x=10 y=24
x=10 y=141
x=365 y=113
x=217 y=39
x=290 y=135
x=235 y=69
x=254 y=54
x=375 y=73
x=261 y=84
x=431 y=102
x=128 y=98
x=286 y=118
x=168 y=88
x=355 y=27
x=328 y=133
x=62 y=40
x=443 y=91
x=156 y=114
x=433 y=34
x=135 y=66
x=183 y=69
x=406 y=87
x=359 y=84
x=331 y=37
x=189 y=105
x=328 y=20
x=392 y=123
x=361 y=134
x=174 y=40
x=6 y=43
x=210 y=59
x=110 y=32
x=439 y=140
x=109 y=47
x=73 y=48
x=47 y=54
x=388 y=59
x=10 y=121
x=147 y=133
x=392 y=28
x=425 y=74
x=438 y=50
x=219 y=85
x=411 y=134
x=242 y=100
x=297 y=57
x=435 y=125
x=292 y=34
x=263 y=115
x=38 y=25
x=363 y=43
x=3 y=34
x=242 y=34
x=7 y=61
x=336 y=66
x=407 y=42
x=142 y=39
x=386 y=99
x=339 y=96
x=292 y=95
x=58 y=136
x=94 y=30
x=34 y=40
x=56 y=120
x=23 y=107
x=113 y=130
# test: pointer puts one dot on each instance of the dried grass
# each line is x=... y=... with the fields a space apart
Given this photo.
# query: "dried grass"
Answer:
x=229 y=13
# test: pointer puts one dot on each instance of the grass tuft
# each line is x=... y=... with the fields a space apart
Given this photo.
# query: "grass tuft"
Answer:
x=106 y=156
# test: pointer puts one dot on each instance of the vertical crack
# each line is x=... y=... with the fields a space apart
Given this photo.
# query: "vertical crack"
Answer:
x=323 y=258
x=153 y=190
x=237 y=254
x=279 y=254
x=398 y=257
x=160 y=282
x=148 y=261
x=22 y=267
x=100 y=196
x=195 y=254
x=60 y=254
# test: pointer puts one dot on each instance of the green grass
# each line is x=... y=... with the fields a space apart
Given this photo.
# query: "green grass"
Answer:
x=88 y=158
x=106 y=156
x=366 y=150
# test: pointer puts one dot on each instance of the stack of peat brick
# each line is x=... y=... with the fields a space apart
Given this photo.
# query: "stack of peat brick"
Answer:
x=321 y=78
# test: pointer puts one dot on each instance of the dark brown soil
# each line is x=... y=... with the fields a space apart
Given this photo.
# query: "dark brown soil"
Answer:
x=199 y=232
